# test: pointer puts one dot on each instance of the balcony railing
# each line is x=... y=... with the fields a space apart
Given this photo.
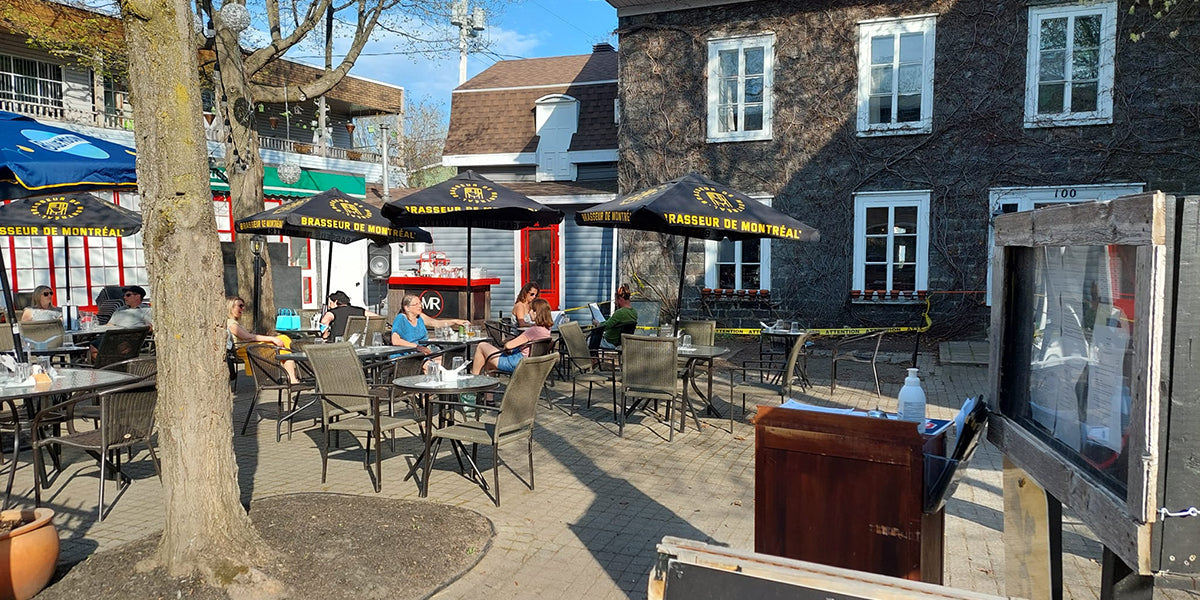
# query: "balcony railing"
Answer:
x=214 y=131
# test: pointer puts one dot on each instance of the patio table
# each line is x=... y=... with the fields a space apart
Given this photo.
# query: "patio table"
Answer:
x=450 y=388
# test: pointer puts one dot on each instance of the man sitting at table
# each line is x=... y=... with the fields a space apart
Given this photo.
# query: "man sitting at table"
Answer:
x=607 y=335
x=132 y=313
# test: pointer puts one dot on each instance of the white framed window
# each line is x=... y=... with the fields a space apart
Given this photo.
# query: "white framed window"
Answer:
x=31 y=81
x=738 y=265
x=895 y=75
x=891 y=241
x=1069 y=70
x=1004 y=200
x=740 y=75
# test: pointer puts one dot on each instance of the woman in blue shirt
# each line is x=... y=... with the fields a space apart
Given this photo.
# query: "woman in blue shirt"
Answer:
x=411 y=328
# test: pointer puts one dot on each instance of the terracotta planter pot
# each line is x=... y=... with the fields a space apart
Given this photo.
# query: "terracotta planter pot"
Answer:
x=27 y=554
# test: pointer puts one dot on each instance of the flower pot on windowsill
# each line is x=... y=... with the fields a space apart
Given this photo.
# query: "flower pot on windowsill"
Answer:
x=31 y=549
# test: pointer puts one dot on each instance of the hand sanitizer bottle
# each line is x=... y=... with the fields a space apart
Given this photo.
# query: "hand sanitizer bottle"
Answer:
x=911 y=401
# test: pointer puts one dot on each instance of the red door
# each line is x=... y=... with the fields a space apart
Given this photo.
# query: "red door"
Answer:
x=539 y=261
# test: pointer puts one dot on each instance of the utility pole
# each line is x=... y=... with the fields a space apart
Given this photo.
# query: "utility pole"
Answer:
x=470 y=23
x=383 y=127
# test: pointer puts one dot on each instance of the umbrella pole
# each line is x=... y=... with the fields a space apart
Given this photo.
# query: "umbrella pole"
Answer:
x=12 y=315
x=470 y=300
x=682 y=270
x=328 y=277
x=67 y=265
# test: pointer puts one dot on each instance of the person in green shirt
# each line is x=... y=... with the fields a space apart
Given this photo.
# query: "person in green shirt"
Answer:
x=623 y=316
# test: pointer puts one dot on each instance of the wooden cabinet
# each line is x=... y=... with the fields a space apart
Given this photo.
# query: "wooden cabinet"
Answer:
x=847 y=491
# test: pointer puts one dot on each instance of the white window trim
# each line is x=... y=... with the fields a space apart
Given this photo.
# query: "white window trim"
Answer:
x=926 y=24
x=1108 y=50
x=711 y=249
x=1027 y=197
x=715 y=45
x=865 y=200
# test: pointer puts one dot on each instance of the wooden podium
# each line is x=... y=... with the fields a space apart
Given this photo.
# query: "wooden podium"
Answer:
x=847 y=491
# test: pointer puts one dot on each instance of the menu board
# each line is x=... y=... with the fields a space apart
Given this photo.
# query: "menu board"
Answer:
x=1081 y=357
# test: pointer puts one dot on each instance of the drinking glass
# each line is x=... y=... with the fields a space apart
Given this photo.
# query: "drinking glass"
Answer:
x=377 y=339
x=24 y=372
x=456 y=363
x=686 y=342
x=666 y=331
x=795 y=327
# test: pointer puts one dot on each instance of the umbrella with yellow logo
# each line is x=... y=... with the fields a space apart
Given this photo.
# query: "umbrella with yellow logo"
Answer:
x=696 y=207
x=67 y=215
x=471 y=200
x=331 y=216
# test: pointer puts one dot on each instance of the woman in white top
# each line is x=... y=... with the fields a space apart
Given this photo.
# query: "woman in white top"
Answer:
x=522 y=311
x=42 y=306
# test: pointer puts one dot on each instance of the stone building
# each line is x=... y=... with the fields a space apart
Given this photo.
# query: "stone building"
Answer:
x=897 y=129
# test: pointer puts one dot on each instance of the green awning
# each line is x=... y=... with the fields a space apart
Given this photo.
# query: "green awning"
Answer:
x=310 y=183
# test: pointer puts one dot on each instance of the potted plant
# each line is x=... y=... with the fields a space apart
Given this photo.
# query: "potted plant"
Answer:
x=30 y=542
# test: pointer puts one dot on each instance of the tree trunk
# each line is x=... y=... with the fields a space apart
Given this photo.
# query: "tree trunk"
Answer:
x=207 y=530
x=244 y=169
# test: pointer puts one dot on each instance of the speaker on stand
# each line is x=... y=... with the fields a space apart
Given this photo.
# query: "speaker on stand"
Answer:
x=379 y=268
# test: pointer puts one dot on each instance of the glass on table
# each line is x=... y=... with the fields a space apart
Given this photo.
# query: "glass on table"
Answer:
x=456 y=363
x=686 y=342
x=377 y=339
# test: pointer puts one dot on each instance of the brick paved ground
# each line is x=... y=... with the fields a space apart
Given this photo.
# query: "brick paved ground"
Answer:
x=602 y=503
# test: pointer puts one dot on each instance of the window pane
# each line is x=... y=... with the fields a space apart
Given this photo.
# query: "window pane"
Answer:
x=877 y=249
x=1086 y=65
x=750 y=278
x=754 y=89
x=754 y=118
x=875 y=277
x=751 y=252
x=904 y=278
x=1050 y=98
x=726 y=119
x=754 y=60
x=911 y=47
x=880 y=109
x=881 y=80
x=1083 y=97
x=882 y=50
x=906 y=219
x=1053 y=34
x=725 y=250
x=908 y=108
x=1053 y=66
x=727 y=91
x=909 y=79
x=1087 y=32
x=877 y=221
x=728 y=61
x=904 y=250
x=727 y=277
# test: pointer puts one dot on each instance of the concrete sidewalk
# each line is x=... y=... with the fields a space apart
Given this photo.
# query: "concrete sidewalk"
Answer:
x=602 y=503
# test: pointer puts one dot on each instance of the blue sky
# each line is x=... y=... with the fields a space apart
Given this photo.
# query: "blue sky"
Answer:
x=525 y=29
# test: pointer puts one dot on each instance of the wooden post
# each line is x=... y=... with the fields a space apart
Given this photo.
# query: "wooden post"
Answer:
x=1032 y=538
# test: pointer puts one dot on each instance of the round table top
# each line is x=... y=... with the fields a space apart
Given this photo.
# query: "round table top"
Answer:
x=67 y=380
x=457 y=385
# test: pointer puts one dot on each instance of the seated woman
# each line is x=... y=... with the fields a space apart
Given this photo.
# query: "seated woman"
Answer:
x=522 y=312
x=234 y=332
x=488 y=357
x=411 y=327
x=42 y=306
x=607 y=335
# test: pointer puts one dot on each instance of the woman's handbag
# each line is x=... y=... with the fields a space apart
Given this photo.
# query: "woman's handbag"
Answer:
x=286 y=319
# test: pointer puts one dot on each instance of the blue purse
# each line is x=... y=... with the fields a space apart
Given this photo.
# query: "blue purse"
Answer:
x=286 y=319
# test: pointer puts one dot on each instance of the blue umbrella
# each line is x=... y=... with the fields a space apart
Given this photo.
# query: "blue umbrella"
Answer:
x=38 y=159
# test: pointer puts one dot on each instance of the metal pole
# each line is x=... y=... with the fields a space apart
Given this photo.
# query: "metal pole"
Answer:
x=12 y=315
x=682 y=270
x=386 y=162
x=462 y=53
x=257 y=291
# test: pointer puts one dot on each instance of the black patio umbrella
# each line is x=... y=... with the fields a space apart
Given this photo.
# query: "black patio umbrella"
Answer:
x=470 y=200
x=696 y=207
x=331 y=216
x=65 y=215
